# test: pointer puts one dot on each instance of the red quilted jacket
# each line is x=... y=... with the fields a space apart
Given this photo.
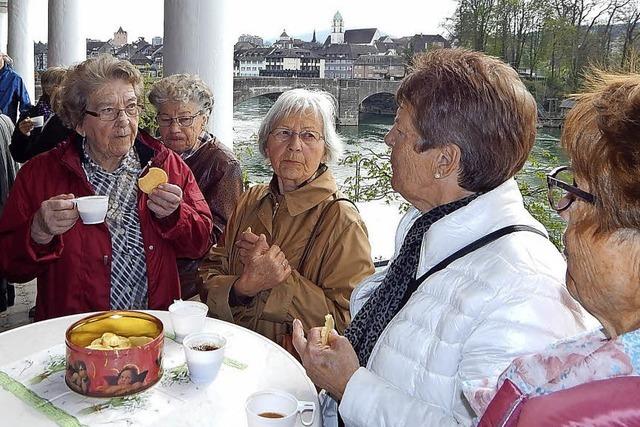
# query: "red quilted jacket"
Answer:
x=74 y=270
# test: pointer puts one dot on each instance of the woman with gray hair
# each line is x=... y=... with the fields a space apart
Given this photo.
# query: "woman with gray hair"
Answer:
x=183 y=103
x=293 y=248
x=126 y=261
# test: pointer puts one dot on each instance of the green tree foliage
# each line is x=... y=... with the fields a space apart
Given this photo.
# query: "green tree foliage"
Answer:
x=147 y=120
x=372 y=181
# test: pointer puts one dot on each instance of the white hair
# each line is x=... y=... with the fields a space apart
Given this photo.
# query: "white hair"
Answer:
x=296 y=101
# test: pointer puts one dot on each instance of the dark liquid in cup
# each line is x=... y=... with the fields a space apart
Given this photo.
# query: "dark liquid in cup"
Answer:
x=271 y=415
x=205 y=347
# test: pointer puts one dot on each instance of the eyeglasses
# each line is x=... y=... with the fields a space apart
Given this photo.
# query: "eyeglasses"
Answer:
x=306 y=136
x=109 y=114
x=183 y=121
x=562 y=189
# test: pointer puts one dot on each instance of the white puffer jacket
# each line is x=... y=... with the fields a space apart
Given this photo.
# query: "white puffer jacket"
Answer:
x=464 y=324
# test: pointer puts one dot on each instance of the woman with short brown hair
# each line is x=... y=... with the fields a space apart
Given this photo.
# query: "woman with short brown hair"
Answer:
x=488 y=113
x=474 y=281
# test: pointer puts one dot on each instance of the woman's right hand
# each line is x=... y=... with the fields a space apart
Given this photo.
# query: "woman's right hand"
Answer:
x=26 y=126
x=55 y=216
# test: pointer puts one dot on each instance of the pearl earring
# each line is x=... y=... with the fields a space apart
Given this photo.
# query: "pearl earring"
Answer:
x=436 y=176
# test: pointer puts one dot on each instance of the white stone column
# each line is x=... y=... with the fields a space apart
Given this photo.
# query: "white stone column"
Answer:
x=198 y=40
x=67 y=44
x=20 y=47
x=4 y=26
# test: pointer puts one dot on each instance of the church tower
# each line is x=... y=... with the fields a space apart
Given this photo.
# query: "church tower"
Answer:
x=120 y=38
x=337 y=33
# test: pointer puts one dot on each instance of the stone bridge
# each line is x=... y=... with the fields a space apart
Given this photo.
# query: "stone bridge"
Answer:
x=350 y=93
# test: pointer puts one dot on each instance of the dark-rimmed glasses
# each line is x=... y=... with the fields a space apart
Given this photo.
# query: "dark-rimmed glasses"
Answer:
x=109 y=114
x=182 y=121
x=562 y=189
x=306 y=136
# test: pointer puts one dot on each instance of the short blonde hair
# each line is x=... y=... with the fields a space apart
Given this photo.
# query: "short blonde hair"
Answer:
x=84 y=79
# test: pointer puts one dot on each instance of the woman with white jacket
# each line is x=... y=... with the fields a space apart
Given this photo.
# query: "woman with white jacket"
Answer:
x=474 y=282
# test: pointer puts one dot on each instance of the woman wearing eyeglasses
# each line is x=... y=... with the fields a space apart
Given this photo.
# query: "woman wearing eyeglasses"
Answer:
x=127 y=262
x=293 y=248
x=591 y=379
x=183 y=103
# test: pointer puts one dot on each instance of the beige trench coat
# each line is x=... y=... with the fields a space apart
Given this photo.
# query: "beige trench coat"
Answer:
x=340 y=258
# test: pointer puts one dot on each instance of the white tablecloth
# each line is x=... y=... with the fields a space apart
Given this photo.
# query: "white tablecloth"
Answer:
x=267 y=366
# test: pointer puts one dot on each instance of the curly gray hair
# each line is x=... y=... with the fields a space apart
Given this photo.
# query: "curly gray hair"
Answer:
x=182 y=88
x=84 y=79
x=296 y=101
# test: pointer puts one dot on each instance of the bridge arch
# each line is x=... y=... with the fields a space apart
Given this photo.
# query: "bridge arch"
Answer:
x=350 y=93
x=378 y=103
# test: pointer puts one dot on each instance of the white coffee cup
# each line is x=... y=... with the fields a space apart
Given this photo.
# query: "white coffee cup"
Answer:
x=276 y=408
x=204 y=352
x=37 y=121
x=92 y=209
x=187 y=317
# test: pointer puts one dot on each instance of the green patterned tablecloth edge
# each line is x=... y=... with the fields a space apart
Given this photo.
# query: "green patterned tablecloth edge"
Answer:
x=47 y=408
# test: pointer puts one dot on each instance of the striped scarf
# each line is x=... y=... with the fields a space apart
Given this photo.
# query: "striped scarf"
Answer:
x=128 y=264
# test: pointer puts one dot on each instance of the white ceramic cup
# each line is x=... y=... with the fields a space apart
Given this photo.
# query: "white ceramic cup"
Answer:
x=187 y=317
x=277 y=402
x=92 y=209
x=204 y=352
x=37 y=121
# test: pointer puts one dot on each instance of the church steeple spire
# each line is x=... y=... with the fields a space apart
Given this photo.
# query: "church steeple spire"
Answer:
x=337 y=33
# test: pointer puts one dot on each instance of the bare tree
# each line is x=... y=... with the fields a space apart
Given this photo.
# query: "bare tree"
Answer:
x=630 y=16
x=615 y=12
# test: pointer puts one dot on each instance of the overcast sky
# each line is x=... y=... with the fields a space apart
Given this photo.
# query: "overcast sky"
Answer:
x=265 y=18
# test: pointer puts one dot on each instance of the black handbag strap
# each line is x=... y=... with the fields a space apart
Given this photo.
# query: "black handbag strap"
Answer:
x=314 y=232
x=485 y=240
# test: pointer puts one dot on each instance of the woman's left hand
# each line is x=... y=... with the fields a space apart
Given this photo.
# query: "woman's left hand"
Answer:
x=164 y=200
x=329 y=366
x=250 y=245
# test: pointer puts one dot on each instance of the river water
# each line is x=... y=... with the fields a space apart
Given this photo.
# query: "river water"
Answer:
x=368 y=135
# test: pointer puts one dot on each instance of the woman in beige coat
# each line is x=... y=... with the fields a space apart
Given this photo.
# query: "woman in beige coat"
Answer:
x=293 y=248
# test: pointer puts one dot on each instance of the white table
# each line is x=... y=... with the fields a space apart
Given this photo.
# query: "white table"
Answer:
x=268 y=366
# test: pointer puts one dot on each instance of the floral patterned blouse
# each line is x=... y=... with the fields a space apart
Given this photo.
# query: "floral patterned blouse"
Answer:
x=567 y=363
x=581 y=359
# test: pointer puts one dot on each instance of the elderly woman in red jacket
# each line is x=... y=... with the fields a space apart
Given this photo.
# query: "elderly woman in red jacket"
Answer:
x=129 y=261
